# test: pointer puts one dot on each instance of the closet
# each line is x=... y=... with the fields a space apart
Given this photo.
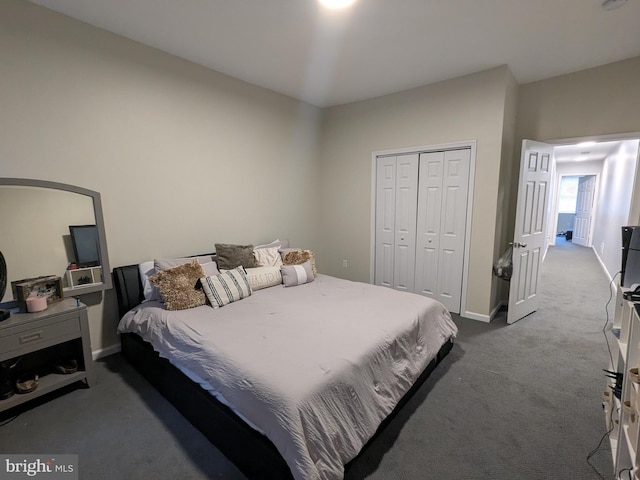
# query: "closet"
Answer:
x=420 y=223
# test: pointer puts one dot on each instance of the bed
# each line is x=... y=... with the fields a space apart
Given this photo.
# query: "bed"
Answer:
x=288 y=382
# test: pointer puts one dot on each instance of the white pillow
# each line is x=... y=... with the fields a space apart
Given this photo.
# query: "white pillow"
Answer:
x=267 y=257
x=263 y=277
x=148 y=289
x=230 y=286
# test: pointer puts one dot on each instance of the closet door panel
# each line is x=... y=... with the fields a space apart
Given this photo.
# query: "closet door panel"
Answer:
x=429 y=223
x=385 y=220
x=405 y=226
x=455 y=187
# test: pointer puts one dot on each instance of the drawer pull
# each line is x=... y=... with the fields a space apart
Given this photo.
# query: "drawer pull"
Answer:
x=31 y=337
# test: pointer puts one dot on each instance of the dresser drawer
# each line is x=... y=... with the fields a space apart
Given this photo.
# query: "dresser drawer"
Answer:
x=40 y=336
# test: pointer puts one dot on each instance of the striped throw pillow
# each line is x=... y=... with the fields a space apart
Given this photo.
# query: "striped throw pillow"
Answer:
x=229 y=286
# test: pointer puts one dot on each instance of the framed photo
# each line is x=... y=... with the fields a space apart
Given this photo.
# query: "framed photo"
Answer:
x=48 y=286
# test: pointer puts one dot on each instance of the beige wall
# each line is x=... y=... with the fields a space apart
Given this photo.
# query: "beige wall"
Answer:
x=504 y=223
x=182 y=156
x=185 y=157
x=598 y=101
x=466 y=108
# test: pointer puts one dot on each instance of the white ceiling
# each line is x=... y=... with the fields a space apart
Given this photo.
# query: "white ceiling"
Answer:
x=377 y=47
x=579 y=152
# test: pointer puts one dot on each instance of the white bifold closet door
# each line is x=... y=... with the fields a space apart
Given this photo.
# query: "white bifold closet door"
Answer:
x=396 y=210
x=443 y=188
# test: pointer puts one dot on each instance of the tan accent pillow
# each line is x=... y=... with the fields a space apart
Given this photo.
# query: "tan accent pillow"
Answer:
x=178 y=286
x=263 y=277
x=267 y=257
x=298 y=257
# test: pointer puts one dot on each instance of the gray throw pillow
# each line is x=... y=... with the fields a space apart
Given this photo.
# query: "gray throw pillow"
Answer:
x=230 y=256
x=293 y=275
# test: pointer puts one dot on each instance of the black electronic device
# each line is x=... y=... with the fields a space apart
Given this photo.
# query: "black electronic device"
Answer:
x=630 y=271
x=633 y=294
x=86 y=246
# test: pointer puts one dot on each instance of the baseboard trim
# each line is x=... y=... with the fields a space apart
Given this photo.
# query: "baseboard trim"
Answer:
x=477 y=316
x=497 y=308
x=105 y=352
x=606 y=272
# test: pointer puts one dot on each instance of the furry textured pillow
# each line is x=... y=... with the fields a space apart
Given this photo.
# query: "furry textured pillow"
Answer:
x=178 y=286
x=298 y=257
x=293 y=275
x=231 y=256
x=228 y=287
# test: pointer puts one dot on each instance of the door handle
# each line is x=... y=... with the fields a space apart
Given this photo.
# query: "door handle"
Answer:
x=518 y=244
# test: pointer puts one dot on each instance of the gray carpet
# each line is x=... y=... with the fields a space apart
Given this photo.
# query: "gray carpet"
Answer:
x=520 y=401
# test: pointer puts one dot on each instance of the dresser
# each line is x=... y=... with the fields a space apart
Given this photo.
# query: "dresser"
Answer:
x=36 y=342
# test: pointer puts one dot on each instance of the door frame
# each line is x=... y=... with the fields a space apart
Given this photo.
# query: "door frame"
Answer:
x=594 y=207
x=470 y=144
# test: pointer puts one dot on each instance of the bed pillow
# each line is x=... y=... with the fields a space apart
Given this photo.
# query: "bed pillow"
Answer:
x=231 y=256
x=267 y=257
x=149 y=291
x=296 y=257
x=151 y=267
x=276 y=243
x=293 y=275
x=263 y=277
x=166 y=263
x=178 y=286
x=228 y=287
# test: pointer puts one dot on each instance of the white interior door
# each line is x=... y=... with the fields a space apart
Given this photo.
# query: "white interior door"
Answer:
x=529 y=235
x=385 y=220
x=584 y=210
x=443 y=189
x=405 y=224
x=396 y=207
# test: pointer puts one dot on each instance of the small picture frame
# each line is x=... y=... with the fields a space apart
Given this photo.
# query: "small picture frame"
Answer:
x=49 y=286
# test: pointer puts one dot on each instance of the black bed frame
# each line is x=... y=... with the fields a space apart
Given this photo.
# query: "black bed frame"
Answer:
x=250 y=451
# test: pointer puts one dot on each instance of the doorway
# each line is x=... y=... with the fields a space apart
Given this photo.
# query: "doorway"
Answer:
x=575 y=207
x=609 y=167
x=611 y=164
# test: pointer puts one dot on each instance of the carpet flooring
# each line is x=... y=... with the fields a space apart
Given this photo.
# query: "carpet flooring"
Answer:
x=510 y=401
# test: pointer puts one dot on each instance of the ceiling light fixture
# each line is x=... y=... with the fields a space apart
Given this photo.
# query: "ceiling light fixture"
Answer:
x=612 y=4
x=335 y=4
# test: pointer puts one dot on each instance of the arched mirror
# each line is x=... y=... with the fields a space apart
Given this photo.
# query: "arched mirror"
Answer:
x=51 y=228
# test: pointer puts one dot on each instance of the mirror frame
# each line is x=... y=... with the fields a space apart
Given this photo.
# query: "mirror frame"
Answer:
x=97 y=209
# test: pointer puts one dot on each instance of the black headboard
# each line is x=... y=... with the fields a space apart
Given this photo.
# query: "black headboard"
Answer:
x=128 y=285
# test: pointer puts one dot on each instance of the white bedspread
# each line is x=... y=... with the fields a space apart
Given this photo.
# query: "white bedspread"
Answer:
x=315 y=367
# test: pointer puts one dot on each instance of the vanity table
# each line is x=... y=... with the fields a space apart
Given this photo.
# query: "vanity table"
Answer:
x=48 y=343
x=40 y=340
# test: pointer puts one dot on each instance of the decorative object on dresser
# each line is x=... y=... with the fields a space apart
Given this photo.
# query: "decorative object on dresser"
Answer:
x=48 y=287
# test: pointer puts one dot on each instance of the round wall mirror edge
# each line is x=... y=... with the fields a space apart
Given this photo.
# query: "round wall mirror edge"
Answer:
x=106 y=280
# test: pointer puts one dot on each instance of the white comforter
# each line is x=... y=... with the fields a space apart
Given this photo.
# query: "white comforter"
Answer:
x=315 y=367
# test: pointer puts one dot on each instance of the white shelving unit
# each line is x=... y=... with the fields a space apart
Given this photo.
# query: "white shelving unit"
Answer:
x=82 y=277
x=622 y=415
